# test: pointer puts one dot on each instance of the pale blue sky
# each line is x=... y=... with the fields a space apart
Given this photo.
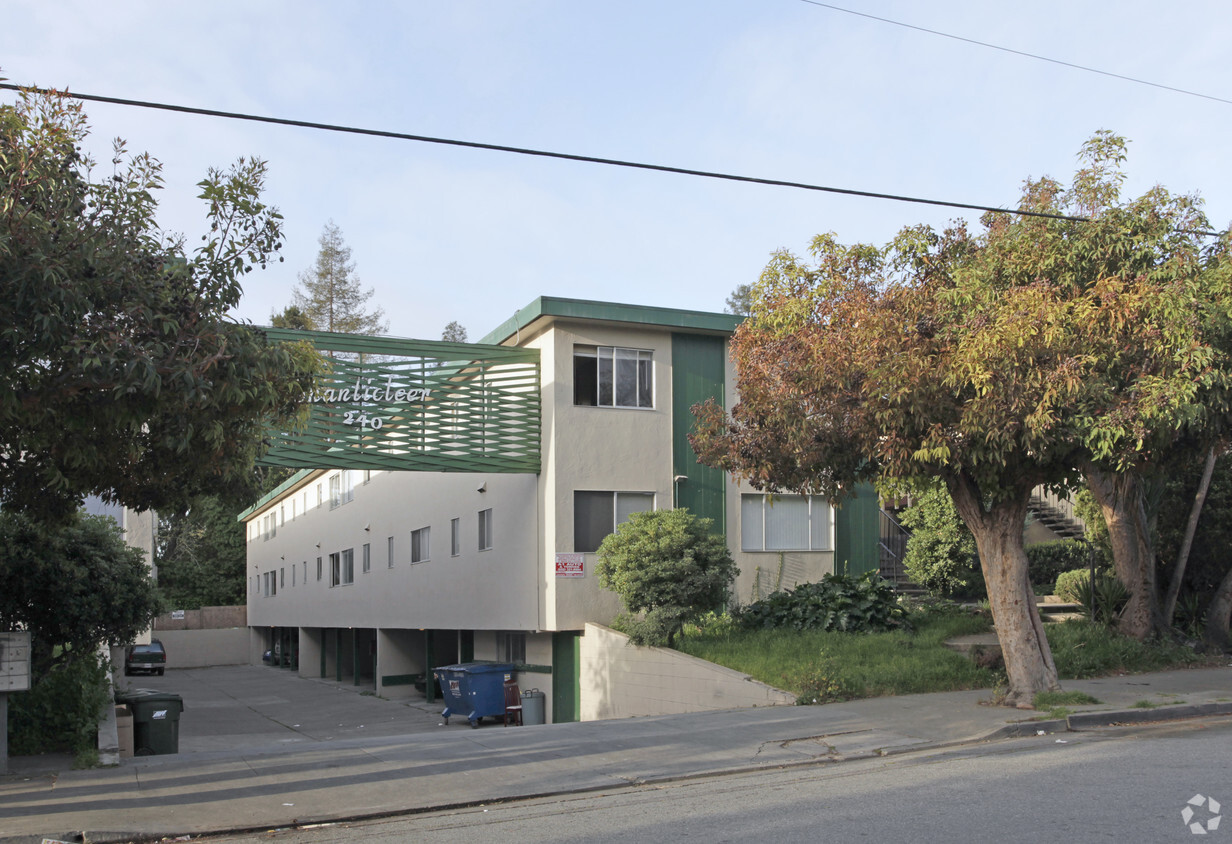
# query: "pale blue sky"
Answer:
x=769 y=88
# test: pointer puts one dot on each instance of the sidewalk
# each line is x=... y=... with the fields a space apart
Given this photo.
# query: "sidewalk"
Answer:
x=347 y=777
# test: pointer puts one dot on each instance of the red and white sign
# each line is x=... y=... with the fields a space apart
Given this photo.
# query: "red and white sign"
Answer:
x=570 y=565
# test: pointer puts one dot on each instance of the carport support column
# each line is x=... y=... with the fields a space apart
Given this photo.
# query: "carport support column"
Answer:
x=338 y=654
x=355 y=654
x=429 y=684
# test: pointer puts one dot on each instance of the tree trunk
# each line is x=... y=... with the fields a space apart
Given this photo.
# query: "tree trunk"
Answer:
x=1219 y=616
x=1191 y=528
x=998 y=536
x=1120 y=498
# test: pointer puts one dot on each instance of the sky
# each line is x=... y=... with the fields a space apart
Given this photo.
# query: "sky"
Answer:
x=777 y=89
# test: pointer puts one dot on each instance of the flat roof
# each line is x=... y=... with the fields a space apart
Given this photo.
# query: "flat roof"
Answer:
x=551 y=306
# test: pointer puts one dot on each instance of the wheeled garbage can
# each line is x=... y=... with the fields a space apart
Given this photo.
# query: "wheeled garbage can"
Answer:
x=475 y=690
x=156 y=720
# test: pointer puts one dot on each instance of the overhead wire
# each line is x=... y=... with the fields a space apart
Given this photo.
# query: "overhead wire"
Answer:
x=589 y=159
x=1023 y=53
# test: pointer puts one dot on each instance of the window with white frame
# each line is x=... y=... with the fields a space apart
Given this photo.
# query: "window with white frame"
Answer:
x=784 y=523
x=608 y=376
x=348 y=566
x=455 y=537
x=367 y=557
x=318 y=568
x=419 y=545
x=485 y=530
x=596 y=514
x=335 y=569
x=389 y=550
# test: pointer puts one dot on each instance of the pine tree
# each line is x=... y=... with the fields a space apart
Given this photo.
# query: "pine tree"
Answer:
x=332 y=298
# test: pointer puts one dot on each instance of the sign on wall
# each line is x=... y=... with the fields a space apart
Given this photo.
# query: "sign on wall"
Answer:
x=14 y=662
x=570 y=565
x=422 y=405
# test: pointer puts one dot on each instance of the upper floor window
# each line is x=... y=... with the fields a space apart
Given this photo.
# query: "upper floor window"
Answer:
x=341 y=489
x=784 y=523
x=596 y=514
x=419 y=545
x=607 y=376
x=485 y=530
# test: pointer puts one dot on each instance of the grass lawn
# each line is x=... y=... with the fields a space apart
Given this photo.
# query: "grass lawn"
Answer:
x=826 y=666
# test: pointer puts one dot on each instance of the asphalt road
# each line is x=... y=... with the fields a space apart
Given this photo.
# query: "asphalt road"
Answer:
x=1123 y=785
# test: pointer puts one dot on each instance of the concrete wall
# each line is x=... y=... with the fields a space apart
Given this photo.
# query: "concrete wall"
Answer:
x=203 y=648
x=620 y=680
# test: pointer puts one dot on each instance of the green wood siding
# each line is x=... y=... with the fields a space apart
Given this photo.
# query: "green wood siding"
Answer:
x=856 y=532
x=566 y=676
x=697 y=374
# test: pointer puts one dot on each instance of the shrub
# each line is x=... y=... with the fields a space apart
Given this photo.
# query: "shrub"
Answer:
x=1068 y=583
x=941 y=553
x=836 y=602
x=60 y=711
x=1047 y=560
x=667 y=566
x=1111 y=596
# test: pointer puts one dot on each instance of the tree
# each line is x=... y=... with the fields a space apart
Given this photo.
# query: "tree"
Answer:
x=740 y=302
x=332 y=298
x=74 y=586
x=201 y=555
x=668 y=565
x=121 y=373
x=455 y=332
x=292 y=317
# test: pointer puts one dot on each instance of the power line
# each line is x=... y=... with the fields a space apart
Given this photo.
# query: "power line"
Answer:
x=1017 y=52
x=612 y=162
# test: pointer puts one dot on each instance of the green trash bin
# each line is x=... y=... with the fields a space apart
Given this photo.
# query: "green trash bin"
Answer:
x=156 y=720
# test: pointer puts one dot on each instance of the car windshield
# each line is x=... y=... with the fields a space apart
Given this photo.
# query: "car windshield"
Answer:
x=147 y=649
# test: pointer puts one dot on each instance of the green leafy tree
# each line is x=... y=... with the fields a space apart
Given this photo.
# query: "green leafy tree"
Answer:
x=667 y=565
x=202 y=555
x=121 y=373
x=740 y=302
x=455 y=332
x=941 y=553
x=332 y=298
x=292 y=317
x=74 y=586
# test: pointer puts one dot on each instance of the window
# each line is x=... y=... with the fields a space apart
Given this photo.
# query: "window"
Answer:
x=367 y=558
x=318 y=568
x=269 y=525
x=390 y=551
x=319 y=495
x=282 y=578
x=294 y=572
x=606 y=376
x=305 y=572
x=511 y=647
x=596 y=514
x=419 y=545
x=335 y=491
x=485 y=530
x=348 y=566
x=455 y=537
x=335 y=569
x=784 y=523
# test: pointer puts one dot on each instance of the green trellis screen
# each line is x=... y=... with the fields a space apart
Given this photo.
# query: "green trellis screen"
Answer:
x=421 y=405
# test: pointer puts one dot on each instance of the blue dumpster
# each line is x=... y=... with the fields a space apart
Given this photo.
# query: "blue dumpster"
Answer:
x=474 y=689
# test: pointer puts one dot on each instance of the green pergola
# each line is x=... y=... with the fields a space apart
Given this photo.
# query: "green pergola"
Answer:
x=415 y=405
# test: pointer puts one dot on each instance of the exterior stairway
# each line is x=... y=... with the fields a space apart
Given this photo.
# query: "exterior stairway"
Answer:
x=1057 y=514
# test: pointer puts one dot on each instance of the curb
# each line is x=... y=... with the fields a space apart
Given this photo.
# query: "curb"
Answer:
x=1114 y=718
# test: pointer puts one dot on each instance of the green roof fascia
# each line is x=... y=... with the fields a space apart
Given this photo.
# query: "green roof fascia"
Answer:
x=551 y=306
x=275 y=492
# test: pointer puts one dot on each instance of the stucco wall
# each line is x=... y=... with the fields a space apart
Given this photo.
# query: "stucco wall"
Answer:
x=203 y=648
x=620 y=680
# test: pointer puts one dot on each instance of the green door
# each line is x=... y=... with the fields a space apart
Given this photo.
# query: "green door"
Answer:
x=566 y=676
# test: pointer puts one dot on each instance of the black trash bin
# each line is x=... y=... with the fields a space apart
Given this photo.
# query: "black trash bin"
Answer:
x=156 y=720
x=475 y=690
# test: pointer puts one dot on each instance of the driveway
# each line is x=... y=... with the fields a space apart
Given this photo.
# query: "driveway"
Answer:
x=244 y=707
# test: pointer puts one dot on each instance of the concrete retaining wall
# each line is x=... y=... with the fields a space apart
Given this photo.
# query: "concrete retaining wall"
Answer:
x=620 y=680
x=203 y=648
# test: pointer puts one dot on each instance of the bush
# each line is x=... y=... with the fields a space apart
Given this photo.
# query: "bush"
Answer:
x=837 y=602
x=1047 y=560
x=1111 y=596
x=60 y=711
x=1068 y=583
x=667 y=566
x=941 y=555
